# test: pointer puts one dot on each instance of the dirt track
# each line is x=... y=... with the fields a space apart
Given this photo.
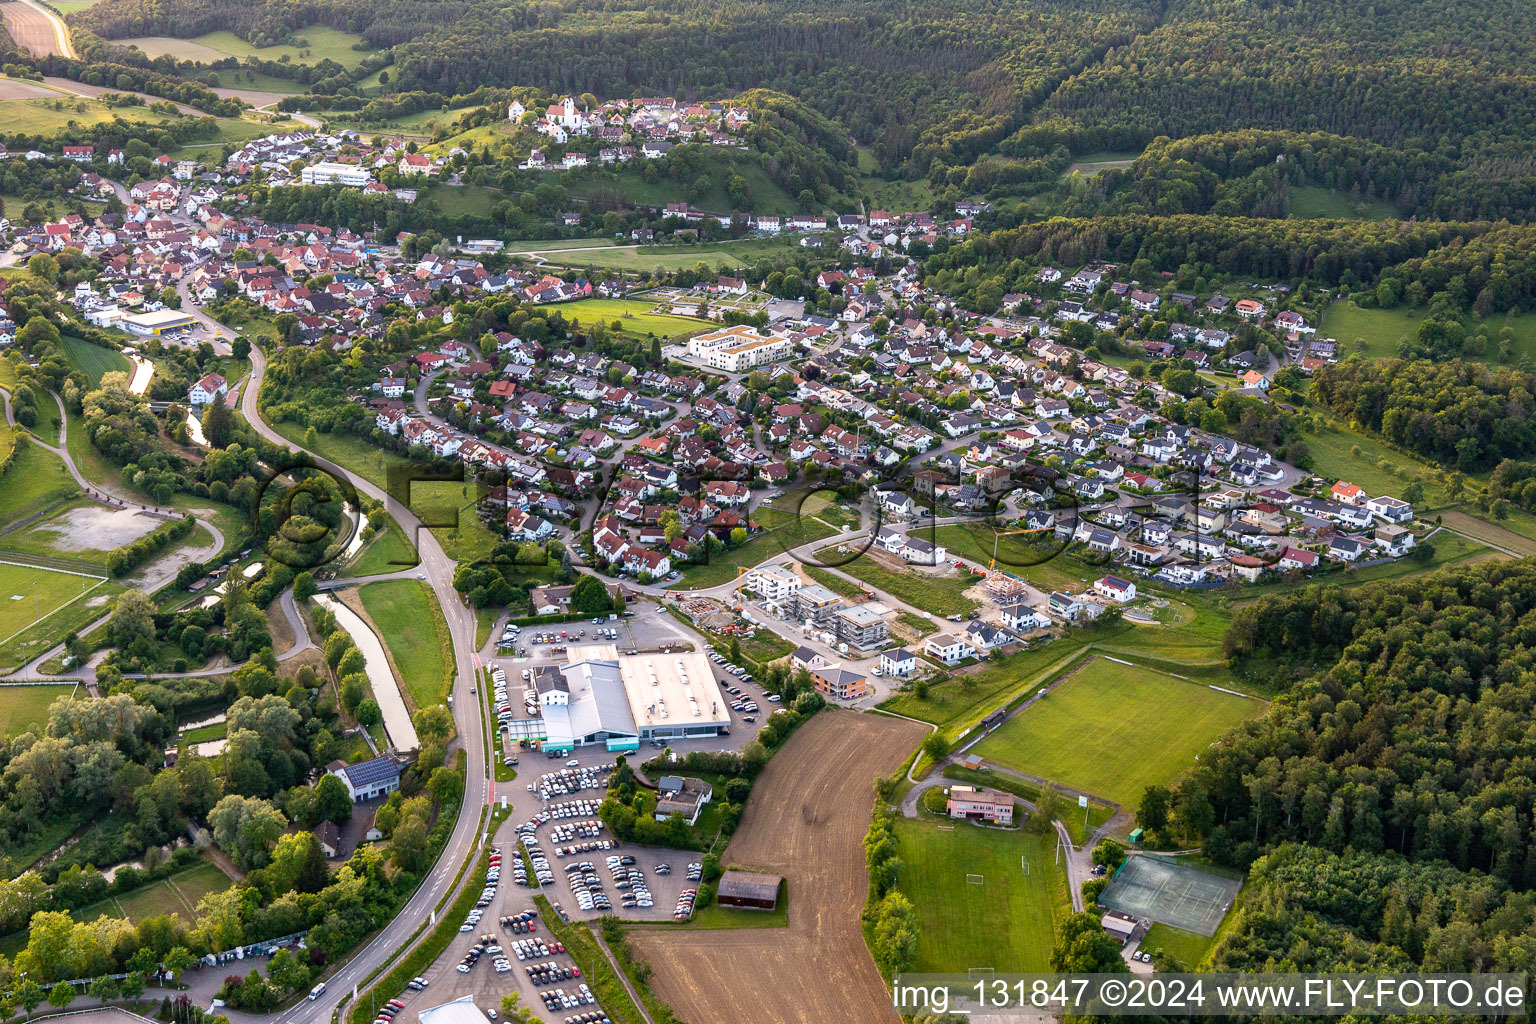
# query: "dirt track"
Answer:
x=806 y=821
x=31 y=28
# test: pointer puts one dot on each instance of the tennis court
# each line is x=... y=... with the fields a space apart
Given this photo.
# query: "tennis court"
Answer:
x=1170 y=893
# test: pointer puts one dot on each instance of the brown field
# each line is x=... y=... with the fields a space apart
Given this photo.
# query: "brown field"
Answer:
x=32 y=29
x=806 y=821
x=15 y=89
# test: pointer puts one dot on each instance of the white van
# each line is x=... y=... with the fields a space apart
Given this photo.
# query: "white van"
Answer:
x=317 y=992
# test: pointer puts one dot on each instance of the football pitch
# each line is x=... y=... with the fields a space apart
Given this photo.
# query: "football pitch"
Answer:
x=31 y=592
x=1113 y=730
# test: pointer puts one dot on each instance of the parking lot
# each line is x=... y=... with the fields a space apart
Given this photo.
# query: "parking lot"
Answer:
x=543 y=968
x=646 y=631
x=559 y=795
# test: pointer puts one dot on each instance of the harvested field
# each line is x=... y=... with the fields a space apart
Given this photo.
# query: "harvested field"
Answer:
x=15 y=89
x=35 y=29
x=806 y=820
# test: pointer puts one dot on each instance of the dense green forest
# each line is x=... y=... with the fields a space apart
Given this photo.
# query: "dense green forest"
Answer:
x=1460 y=414
x=1385 y=801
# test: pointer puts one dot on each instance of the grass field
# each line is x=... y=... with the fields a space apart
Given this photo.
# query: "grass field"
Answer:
x=649 y=257
x=28 y=593
x=195 y=883
x=42 y=116
x=449 y=508
x=1090 y=164
x=1112 y=730
x=389 y=551
x=1375 y=333
x=939 y=594
x=627 y=187
x=24 y=706
x=633 y=315
x=1007 y=923
x=1187 y=948
x=1334 y=457
x=36 y=479
x=93 y=360
x=412 y=627
x=462 y=200
x=721 y=568
x=320 y=43
x=1311 y=201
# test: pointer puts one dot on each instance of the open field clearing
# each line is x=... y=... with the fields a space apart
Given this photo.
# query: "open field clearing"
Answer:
x=633 y=315
x=16 y=89
x=29 y=593
x=93 y=360
x=1113 y=730
x=1313 y=201
x=33 y=29
x=82 y=527
x=805 y=820
x=1376 y=332
x=322 y=43
x=1008 y=922
x=413 y=630
x=24 y=706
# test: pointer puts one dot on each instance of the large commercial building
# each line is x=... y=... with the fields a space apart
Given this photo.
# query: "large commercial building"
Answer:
x=327 y=173
x=157 y=322
x=734 y=349
x=602 y=698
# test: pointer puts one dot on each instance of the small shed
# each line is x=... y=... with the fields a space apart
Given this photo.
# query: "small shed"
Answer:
x=748 y=889
x=1136 y=834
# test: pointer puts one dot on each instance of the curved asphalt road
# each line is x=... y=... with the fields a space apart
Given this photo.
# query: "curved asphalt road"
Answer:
x=468 y=716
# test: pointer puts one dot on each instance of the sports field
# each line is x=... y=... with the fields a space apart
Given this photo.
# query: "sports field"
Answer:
x=23 y=706
x=27 y=593
x=634 y=316
x=1113 y=730
x=1008 y=922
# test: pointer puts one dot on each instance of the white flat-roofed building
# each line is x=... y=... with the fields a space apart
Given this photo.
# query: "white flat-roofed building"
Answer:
x=620 y=702
x=157 y=322
x=738 y=348
x=773 y=583
x=461 y=1011
x=327 y=172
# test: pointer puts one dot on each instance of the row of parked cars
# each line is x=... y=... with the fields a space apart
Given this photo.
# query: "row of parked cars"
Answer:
x=586 y=887
x=629 y=881
x=559 y=999
x=541 y=869
x=567 y=781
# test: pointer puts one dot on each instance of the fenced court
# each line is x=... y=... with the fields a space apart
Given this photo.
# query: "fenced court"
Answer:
x=1170 y=893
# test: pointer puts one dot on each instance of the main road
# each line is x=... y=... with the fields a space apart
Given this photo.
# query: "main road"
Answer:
x=479 y=783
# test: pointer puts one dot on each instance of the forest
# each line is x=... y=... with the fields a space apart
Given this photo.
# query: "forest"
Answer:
x=1385 y=801
x=1460 y=414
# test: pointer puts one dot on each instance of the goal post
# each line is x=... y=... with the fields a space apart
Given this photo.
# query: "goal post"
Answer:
x=975 y=879
x=1024 y=866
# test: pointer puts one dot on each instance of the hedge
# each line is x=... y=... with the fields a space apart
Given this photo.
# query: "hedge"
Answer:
x=125 y=559
x=9 y=458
